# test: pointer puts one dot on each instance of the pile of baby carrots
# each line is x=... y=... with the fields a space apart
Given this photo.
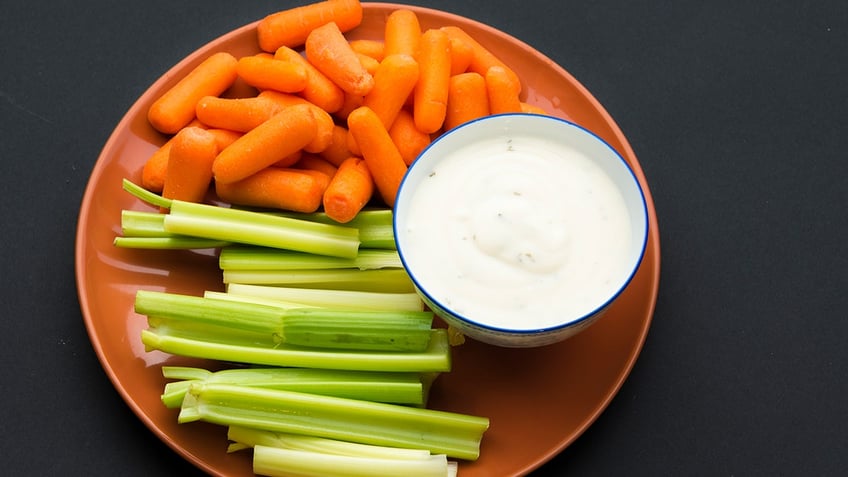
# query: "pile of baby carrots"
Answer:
x=315 y=120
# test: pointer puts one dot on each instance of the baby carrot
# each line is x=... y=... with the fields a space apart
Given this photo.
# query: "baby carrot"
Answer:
x=431 y=92
x=277 y=188
x=238 y=114
x=349 y=190
x=532 y=109
x=370 y=64
x=402 y=33
x=380 y=153
x=190 y=165
x=351 y=102
x=338 y=150
x=408 y=139
x=156 y=166
x=467 y=99
x=394 y=81
x=319 y=89
x=269 y=73
x=285 y=133
x=501 y=91
x=481 y=59
x=289 y=160
x=461 y=54
x=224 y=137
x=323 y=120
x=290 y=27
x=374 y=48
x=314 y=162
x=329 y=51
x=175 y=108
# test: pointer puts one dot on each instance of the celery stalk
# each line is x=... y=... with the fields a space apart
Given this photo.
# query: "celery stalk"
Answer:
x=266 y=258
x=377 y=386
x=436 y=358
x=440 y=432
x=225 y=321
x=256 y=228
x=273 y=462
x=136 y=223
x=169 y=243
x=248 y=437
x=376 y=229
x=345 y=299
x=387 y=280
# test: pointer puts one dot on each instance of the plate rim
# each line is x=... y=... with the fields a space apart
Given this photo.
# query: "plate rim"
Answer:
x=626 y=151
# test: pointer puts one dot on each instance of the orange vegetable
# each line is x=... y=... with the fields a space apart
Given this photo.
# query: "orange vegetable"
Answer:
x=370 y=64
x=374 y=48
x=329 y=51
x=176 y=107
x=190 y=165
x=461 y=55
x=501 y=91
x=349 y=190
x=482 y=59
x=238 y=114
x=351 y=102
x=156 y=166
x=532 y=109
x=393 y=83
x=291 y=27
x=278 y=188
x=408 y=139
x=402 y=33
x=319 y=89
x=431 y=93
x=324 y=121
x=285 y=133
x=314 y=162
x=380 y=153
x=338 y=150
x=224 y=137
x=264 y=72
x=289 y=160
x=467 y=99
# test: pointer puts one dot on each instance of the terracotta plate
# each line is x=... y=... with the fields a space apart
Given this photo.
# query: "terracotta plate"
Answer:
x=538 y=400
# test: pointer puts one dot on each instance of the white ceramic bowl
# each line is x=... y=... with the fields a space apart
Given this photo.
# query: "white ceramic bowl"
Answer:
x=520 y=230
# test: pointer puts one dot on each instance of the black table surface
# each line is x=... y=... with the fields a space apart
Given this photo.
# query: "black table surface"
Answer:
x=735 y=109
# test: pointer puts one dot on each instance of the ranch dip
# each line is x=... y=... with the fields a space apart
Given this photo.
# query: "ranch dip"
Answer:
x=517 y=234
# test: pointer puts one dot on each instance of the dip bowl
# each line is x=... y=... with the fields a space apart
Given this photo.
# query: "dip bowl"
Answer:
x=520 y=230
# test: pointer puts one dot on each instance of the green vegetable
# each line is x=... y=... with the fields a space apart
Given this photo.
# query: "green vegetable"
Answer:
x=273 y=461
x=264 y=258
x=339 y=299
x=238 y=349
x=253 y=228
x=397 y=388
x=376 y=228
x=440 y=432
x=223 y=321
x=388 y=281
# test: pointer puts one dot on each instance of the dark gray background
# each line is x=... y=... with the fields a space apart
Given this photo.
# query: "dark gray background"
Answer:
x=735 y=109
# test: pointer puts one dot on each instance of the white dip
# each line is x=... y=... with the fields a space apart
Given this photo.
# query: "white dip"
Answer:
x=518 y=234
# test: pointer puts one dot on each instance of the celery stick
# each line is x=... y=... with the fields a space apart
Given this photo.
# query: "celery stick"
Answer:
x=345 y=299
x=262 y=301
x=376 y=229
x=225 y=321
x=436 y=358
x=249 y=437
x=377 y=386
x=256 y=228
x=266 y=258
x=136 y=223
x=394 y=280
x=440 y=432
x=273 y=461
x=169 y=243
x=145 y=195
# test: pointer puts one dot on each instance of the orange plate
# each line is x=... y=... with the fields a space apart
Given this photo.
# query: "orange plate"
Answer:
x=538 y=400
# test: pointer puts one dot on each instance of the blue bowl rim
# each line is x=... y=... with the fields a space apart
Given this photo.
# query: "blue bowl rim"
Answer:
x=532 y=331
